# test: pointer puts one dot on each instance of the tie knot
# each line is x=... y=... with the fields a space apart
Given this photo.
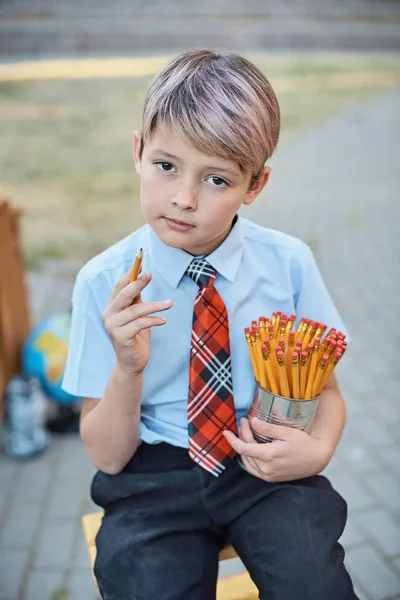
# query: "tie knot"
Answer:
x=201 y=272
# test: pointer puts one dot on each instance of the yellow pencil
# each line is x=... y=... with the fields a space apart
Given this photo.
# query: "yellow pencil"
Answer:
x=272 y=386
x=291 y=321
x=333 y=361
x=303 y=373
x=309 y=349
x=258 y=355
x=324 y=344
x=283 y=380
x=292 y=363
x=321 y=328
x=252 y=353
x=281 y=344
x=282 y=328
x=290 y=349
x=259 y=358
x=318 y=377
x=295 y=375
x=312 y=370
x=277 y=323
x=271 y=337
x=263 y=327
x=136 y=267
x=308 y=332
x=300 y=331
x=331 y=349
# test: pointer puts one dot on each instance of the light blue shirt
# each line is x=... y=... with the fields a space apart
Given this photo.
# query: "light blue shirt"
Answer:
x=259 y=271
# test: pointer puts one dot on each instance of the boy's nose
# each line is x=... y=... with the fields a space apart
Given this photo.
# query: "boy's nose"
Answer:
x=186 y=199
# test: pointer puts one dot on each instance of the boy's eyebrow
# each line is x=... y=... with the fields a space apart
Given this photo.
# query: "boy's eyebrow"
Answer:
x=214 y=167
x=164 y=152
x=223 y=170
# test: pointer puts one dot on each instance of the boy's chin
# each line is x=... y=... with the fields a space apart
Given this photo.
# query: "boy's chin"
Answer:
x=170 y=238
x=177 y=241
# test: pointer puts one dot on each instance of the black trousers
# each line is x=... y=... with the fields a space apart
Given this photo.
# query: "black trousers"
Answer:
x=166 y=519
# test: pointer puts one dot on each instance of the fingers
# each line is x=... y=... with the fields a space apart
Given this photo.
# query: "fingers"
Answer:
x=246 y=435
x=245 y=432
x=128 y=294
x=126 y=334
x=126 y=315
x=251 y=466
x=270 y=430
x=121 y=283
x=251 y=449
x=263 y=460
x=136 y=311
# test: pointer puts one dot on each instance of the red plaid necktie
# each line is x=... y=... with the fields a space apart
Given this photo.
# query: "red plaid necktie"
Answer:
x=211 y=408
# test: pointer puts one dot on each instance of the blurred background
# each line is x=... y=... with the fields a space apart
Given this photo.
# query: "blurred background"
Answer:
x=72 y=81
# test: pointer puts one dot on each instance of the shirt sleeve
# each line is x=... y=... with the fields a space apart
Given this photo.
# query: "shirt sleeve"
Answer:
x=312 y=299
x=91 y=356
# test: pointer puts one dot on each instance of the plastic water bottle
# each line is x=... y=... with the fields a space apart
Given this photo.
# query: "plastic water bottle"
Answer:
x=23 y=437
x=41 y=437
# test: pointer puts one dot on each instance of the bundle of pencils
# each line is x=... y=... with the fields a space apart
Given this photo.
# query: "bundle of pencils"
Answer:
x=293 y=363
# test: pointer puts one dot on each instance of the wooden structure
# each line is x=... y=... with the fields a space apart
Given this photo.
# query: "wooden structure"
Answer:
x=14 y=312
x=235 y=587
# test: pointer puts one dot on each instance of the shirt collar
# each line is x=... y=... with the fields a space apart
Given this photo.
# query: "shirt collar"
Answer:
x=173 y=262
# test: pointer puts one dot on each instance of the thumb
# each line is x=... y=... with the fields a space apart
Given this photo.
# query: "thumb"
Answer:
x=270 y=430
x=245 y=431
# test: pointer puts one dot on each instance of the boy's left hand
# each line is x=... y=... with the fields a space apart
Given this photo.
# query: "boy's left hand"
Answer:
x=292 y=454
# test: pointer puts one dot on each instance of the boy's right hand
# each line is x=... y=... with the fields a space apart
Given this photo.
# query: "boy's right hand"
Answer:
x=128 y=322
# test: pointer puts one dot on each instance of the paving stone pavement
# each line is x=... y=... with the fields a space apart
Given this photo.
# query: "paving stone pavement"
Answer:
x=336 y=187
x=58 y=28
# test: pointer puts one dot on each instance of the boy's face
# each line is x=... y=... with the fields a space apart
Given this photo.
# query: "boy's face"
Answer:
x=187 y=197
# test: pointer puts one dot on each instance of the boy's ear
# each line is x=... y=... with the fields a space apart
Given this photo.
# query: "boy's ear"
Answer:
x=136 y=144
x=258 y=185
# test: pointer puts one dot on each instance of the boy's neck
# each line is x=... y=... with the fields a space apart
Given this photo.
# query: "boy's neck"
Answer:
x=235 y=218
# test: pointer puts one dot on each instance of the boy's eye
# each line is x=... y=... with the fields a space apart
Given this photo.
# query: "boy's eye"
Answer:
x=165 y=166
x=217 y=181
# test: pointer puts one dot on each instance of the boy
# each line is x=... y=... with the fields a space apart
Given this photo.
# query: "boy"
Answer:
x=164 y=369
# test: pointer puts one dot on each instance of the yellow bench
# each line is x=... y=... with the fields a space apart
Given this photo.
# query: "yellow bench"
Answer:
x=234 y=587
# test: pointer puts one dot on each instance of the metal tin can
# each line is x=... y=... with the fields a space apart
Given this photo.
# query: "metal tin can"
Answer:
x=276 y=409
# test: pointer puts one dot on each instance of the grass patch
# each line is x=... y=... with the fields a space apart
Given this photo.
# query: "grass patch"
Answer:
x=65 y=154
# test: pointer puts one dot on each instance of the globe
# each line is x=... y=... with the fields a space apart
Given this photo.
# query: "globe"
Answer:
x=45 y=353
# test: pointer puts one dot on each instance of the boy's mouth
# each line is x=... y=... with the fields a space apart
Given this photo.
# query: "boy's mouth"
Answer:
x=178 y=225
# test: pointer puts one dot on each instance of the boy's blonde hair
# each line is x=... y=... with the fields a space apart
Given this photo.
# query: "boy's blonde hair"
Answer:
x=223 y=105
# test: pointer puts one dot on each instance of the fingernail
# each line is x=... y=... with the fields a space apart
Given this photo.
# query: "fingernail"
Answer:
x=167 y=302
